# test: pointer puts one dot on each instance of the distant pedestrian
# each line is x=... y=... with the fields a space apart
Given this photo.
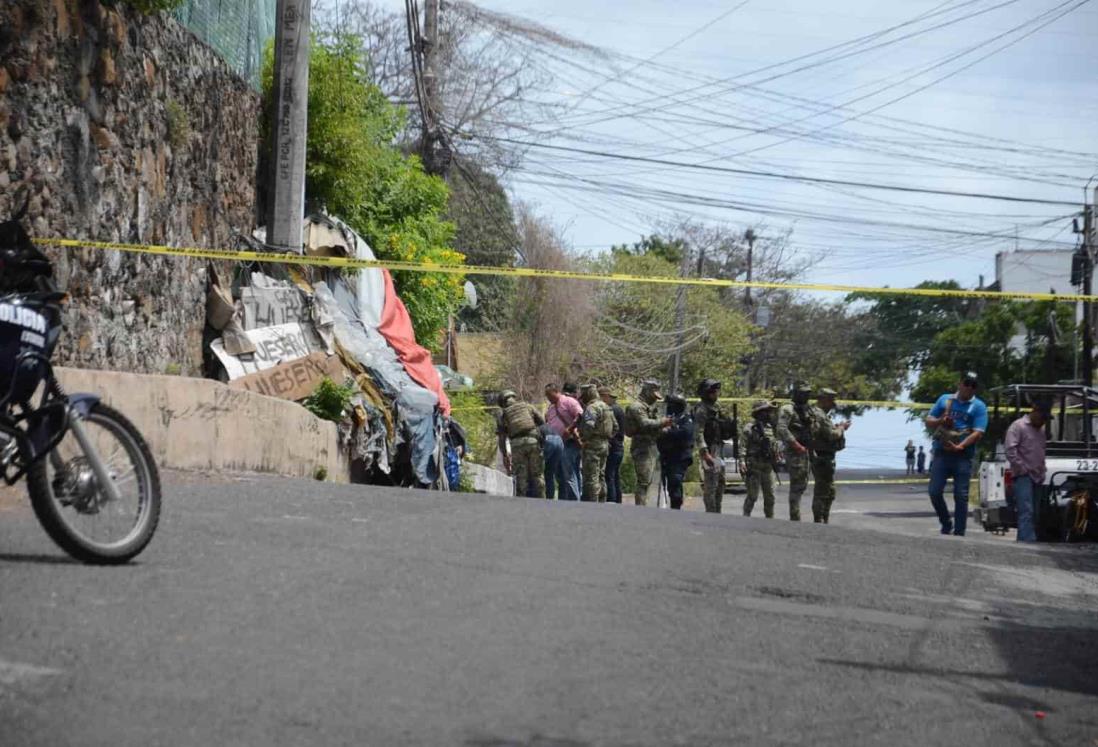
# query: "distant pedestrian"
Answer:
x=920 y=461
x=957 y=420
x=617 y=447
x=909 y=453
x=562 y=415
x=676 y=448
x=1025 y=451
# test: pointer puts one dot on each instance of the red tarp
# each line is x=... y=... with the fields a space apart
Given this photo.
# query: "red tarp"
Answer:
x=396 y=328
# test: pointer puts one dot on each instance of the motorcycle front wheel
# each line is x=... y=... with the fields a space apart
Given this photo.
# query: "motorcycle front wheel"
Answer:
x=71 y=504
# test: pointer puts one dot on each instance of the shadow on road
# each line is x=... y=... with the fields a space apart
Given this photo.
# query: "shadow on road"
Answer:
x=14 y=557
x=1055 y=658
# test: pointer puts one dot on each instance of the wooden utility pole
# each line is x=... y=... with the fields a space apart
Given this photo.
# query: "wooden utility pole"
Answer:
x=286 y=203
x=749 y=236
x=435 y=150
x=1088 y=272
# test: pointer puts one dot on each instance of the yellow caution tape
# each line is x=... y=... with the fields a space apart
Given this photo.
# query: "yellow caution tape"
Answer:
x=243 y=255
x=881 y=404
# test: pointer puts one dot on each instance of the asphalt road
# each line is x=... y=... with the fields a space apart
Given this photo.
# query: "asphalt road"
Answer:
x=285 y=612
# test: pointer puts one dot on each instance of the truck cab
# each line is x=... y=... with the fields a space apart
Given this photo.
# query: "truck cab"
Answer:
x=1066 y=500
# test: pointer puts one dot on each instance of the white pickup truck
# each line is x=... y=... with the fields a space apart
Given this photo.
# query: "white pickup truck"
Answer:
x=1066 y=502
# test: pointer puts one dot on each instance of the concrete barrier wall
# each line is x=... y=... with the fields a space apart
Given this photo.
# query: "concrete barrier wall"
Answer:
x=203 y=424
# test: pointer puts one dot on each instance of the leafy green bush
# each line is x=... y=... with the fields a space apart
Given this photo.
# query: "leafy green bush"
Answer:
x=479 y=423
x=355 y=171
x=329 y=400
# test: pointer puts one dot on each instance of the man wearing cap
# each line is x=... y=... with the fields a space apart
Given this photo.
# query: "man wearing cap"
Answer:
x=519 y=423
x=617 y=446
x=596 y=428
x=756 y=454
x=827 y=438
x=676 y=447
x=643 y=424
x=708 y=440
x=795 y=431
x=957 y=422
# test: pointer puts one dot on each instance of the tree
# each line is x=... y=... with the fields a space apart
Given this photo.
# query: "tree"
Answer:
x=637 y=331
x=486 y=235
x=905 y=326
x=354 y=171
x=550 y=332
x=1008 y=343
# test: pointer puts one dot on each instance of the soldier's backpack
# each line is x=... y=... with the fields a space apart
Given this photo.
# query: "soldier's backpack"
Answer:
x=518 y=420
x=825 y=436
x=607 y=424
x=631 y=422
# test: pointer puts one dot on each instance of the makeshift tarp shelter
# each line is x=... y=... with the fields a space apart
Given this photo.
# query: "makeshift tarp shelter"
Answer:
x=278 y=330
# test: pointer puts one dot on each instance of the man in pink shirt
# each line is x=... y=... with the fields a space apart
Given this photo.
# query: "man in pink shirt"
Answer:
x=1025 y=450
x=562 y=415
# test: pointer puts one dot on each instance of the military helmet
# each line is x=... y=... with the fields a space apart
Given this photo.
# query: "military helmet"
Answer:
x=708 y=385
x=651 y=387
x=827 y=392
x=801 y=387
x=505 y=395
x=606 y=391
x=676 y=403
x=761 y=406
x=588 y=392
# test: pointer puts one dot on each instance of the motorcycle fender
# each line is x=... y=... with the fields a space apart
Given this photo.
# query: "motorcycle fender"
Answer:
x=83 y=402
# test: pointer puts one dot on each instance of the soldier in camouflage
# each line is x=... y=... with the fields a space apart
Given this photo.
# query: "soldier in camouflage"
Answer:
x=709 y=420
x=795 y=432
x=756 y=447
x=596 y=426
x=643 y=424
x=519 y=422
x=827 y=438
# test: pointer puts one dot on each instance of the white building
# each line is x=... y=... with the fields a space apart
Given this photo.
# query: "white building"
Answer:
x=1028 y=271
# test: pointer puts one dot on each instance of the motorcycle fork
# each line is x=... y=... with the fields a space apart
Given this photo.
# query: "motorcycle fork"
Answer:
x=106 y=484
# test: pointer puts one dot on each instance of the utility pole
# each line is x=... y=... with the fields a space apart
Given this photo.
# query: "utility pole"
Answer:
x=286 y=199
x=749 y=236
x=1088 y=272
x=435 y=150
x=680 y=321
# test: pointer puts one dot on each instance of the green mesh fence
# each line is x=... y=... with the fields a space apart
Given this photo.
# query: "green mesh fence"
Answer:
x=238 y=29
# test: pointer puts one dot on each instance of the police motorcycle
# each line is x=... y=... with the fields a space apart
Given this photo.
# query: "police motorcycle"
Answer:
x=92 y=481
x=1067 y=503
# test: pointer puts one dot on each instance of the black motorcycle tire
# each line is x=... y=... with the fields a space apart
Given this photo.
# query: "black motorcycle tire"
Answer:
x=49 y=512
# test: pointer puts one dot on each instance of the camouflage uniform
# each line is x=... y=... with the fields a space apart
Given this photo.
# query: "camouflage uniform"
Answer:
x=519 y=423
x=756 y=449
x=596 y=426
x=795 y=425
x=642 y=425
x=707 y=440
x=827 y=438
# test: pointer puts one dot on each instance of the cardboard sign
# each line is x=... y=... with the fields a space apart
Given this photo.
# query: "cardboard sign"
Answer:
x=273 y=346
x=294 y=380
x=270 y=307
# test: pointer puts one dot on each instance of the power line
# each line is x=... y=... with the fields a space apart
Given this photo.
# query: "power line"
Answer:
x=777 y=175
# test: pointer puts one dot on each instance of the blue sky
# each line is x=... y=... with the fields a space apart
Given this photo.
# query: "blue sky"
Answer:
x=1019 y=122
x=1038 y=95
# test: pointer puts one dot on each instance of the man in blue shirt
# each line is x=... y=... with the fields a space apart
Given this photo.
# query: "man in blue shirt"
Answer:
x=957 y=422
